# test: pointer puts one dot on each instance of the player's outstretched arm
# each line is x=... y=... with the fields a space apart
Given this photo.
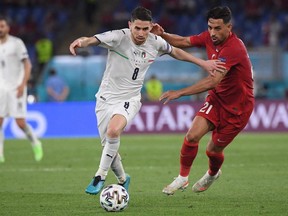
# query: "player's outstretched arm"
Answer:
x=82 y=42
x=210 y=65
x=202 y=85
x=173 y=39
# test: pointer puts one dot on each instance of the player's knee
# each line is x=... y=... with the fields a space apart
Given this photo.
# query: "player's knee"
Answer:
x=113 y=132
x=21 y=124
x=192 y=138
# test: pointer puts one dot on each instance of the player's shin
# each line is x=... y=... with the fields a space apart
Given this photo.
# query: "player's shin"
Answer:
x=187 y=156
x=108 y=154
x=30 y=135
x=215 y=162
x=118 y=169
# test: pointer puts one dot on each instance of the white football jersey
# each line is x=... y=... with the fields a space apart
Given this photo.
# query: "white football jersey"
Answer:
x=12 y=52
x=127 y=64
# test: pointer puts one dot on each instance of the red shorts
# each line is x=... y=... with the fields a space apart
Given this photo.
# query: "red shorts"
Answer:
x=227 y=125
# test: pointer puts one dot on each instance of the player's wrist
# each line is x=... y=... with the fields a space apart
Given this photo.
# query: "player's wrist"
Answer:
x=164 y=34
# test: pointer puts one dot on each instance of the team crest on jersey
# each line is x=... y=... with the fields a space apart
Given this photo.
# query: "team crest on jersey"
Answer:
x=222 y=59
x=139 y=54
x=139 y=57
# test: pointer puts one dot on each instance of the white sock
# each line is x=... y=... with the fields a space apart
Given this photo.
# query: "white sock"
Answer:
x=30 y=135
x=183 y=178
x=118 y=169
x=108 y=154
x=1 y=142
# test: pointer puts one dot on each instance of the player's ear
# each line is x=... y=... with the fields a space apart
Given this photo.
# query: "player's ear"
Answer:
x=129 y=24
x=151 y=26
x=229 y=25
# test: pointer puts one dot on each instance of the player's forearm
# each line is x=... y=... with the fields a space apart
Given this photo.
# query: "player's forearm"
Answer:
x=27 y=71
x=88 y=41
x=199 y=87
x=184 y=56
x=176 y=40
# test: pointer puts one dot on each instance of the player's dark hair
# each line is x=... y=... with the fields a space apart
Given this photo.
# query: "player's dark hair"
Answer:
x=223 y=13
x=6 y=19
x=141 y=13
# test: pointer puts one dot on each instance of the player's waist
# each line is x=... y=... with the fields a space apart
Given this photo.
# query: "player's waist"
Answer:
x=114 y=99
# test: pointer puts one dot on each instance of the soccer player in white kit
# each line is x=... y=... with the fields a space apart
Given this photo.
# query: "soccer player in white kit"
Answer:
x=15 y=69
x=130 y=53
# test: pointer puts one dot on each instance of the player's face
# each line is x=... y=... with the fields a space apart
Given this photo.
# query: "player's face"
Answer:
x=4 y=29
x=140 y=30
x=219 y=31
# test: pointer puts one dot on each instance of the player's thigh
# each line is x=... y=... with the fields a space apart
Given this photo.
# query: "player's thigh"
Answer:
x=199 y=127
x=116 y=125
x=4 y=103
x=230 y=126
x=105 y=112
x=103 y=115
x=207 y=118
x=128 y=109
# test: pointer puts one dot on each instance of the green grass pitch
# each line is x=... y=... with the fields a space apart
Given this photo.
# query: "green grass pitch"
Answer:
x=254 y=180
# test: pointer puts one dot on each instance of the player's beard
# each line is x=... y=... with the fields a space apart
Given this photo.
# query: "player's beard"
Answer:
x=2 y=35
x=215 y=41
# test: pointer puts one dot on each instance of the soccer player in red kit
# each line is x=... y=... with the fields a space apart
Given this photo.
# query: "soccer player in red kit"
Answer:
x=230 y=99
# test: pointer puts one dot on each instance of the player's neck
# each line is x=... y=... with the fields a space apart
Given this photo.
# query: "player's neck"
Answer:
x=3 y=39
x=137 y=42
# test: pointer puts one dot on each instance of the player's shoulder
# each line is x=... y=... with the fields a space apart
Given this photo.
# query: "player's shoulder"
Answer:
x=235 y=40
x=124 y=31
x=118 y=32
x=236 y=44
x=14 y=38
x=155 y=39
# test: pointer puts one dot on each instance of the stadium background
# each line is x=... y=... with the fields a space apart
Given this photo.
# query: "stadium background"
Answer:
x=255 y=174
x=263 y=26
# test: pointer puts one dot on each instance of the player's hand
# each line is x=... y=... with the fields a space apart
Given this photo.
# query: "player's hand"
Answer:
x=20 y=90
x=74 y=45
x=211 y=66
x=169 y=95
x=157 y=29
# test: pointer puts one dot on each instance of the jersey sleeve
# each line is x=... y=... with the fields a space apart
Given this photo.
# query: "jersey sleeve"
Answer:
x=163 y=46
x=21 y=50
x=110 y=39
x=199 y=40
x=230 y=56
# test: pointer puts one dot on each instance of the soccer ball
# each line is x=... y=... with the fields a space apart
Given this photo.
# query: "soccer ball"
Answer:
x=114 y=198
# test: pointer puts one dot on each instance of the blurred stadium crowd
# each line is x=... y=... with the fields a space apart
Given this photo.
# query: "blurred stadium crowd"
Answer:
x=47 y=26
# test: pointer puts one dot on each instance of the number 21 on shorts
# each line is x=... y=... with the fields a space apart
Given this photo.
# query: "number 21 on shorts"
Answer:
x=206 y=108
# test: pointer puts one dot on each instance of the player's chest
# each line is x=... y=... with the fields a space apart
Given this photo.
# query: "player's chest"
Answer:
x=8 y=50
x=212 y=52
x=139 y=57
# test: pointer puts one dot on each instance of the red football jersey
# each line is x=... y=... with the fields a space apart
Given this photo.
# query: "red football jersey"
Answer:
x=235 y=91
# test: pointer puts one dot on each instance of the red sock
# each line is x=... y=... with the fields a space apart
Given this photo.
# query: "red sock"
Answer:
x=187 y=156
x=215 y=162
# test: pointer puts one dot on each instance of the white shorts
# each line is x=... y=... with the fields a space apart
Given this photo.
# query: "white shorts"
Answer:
x=11 y=105
x=104 y=112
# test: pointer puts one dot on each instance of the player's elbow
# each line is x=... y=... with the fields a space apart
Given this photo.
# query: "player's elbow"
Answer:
x=183 y=42
x=212 y=83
